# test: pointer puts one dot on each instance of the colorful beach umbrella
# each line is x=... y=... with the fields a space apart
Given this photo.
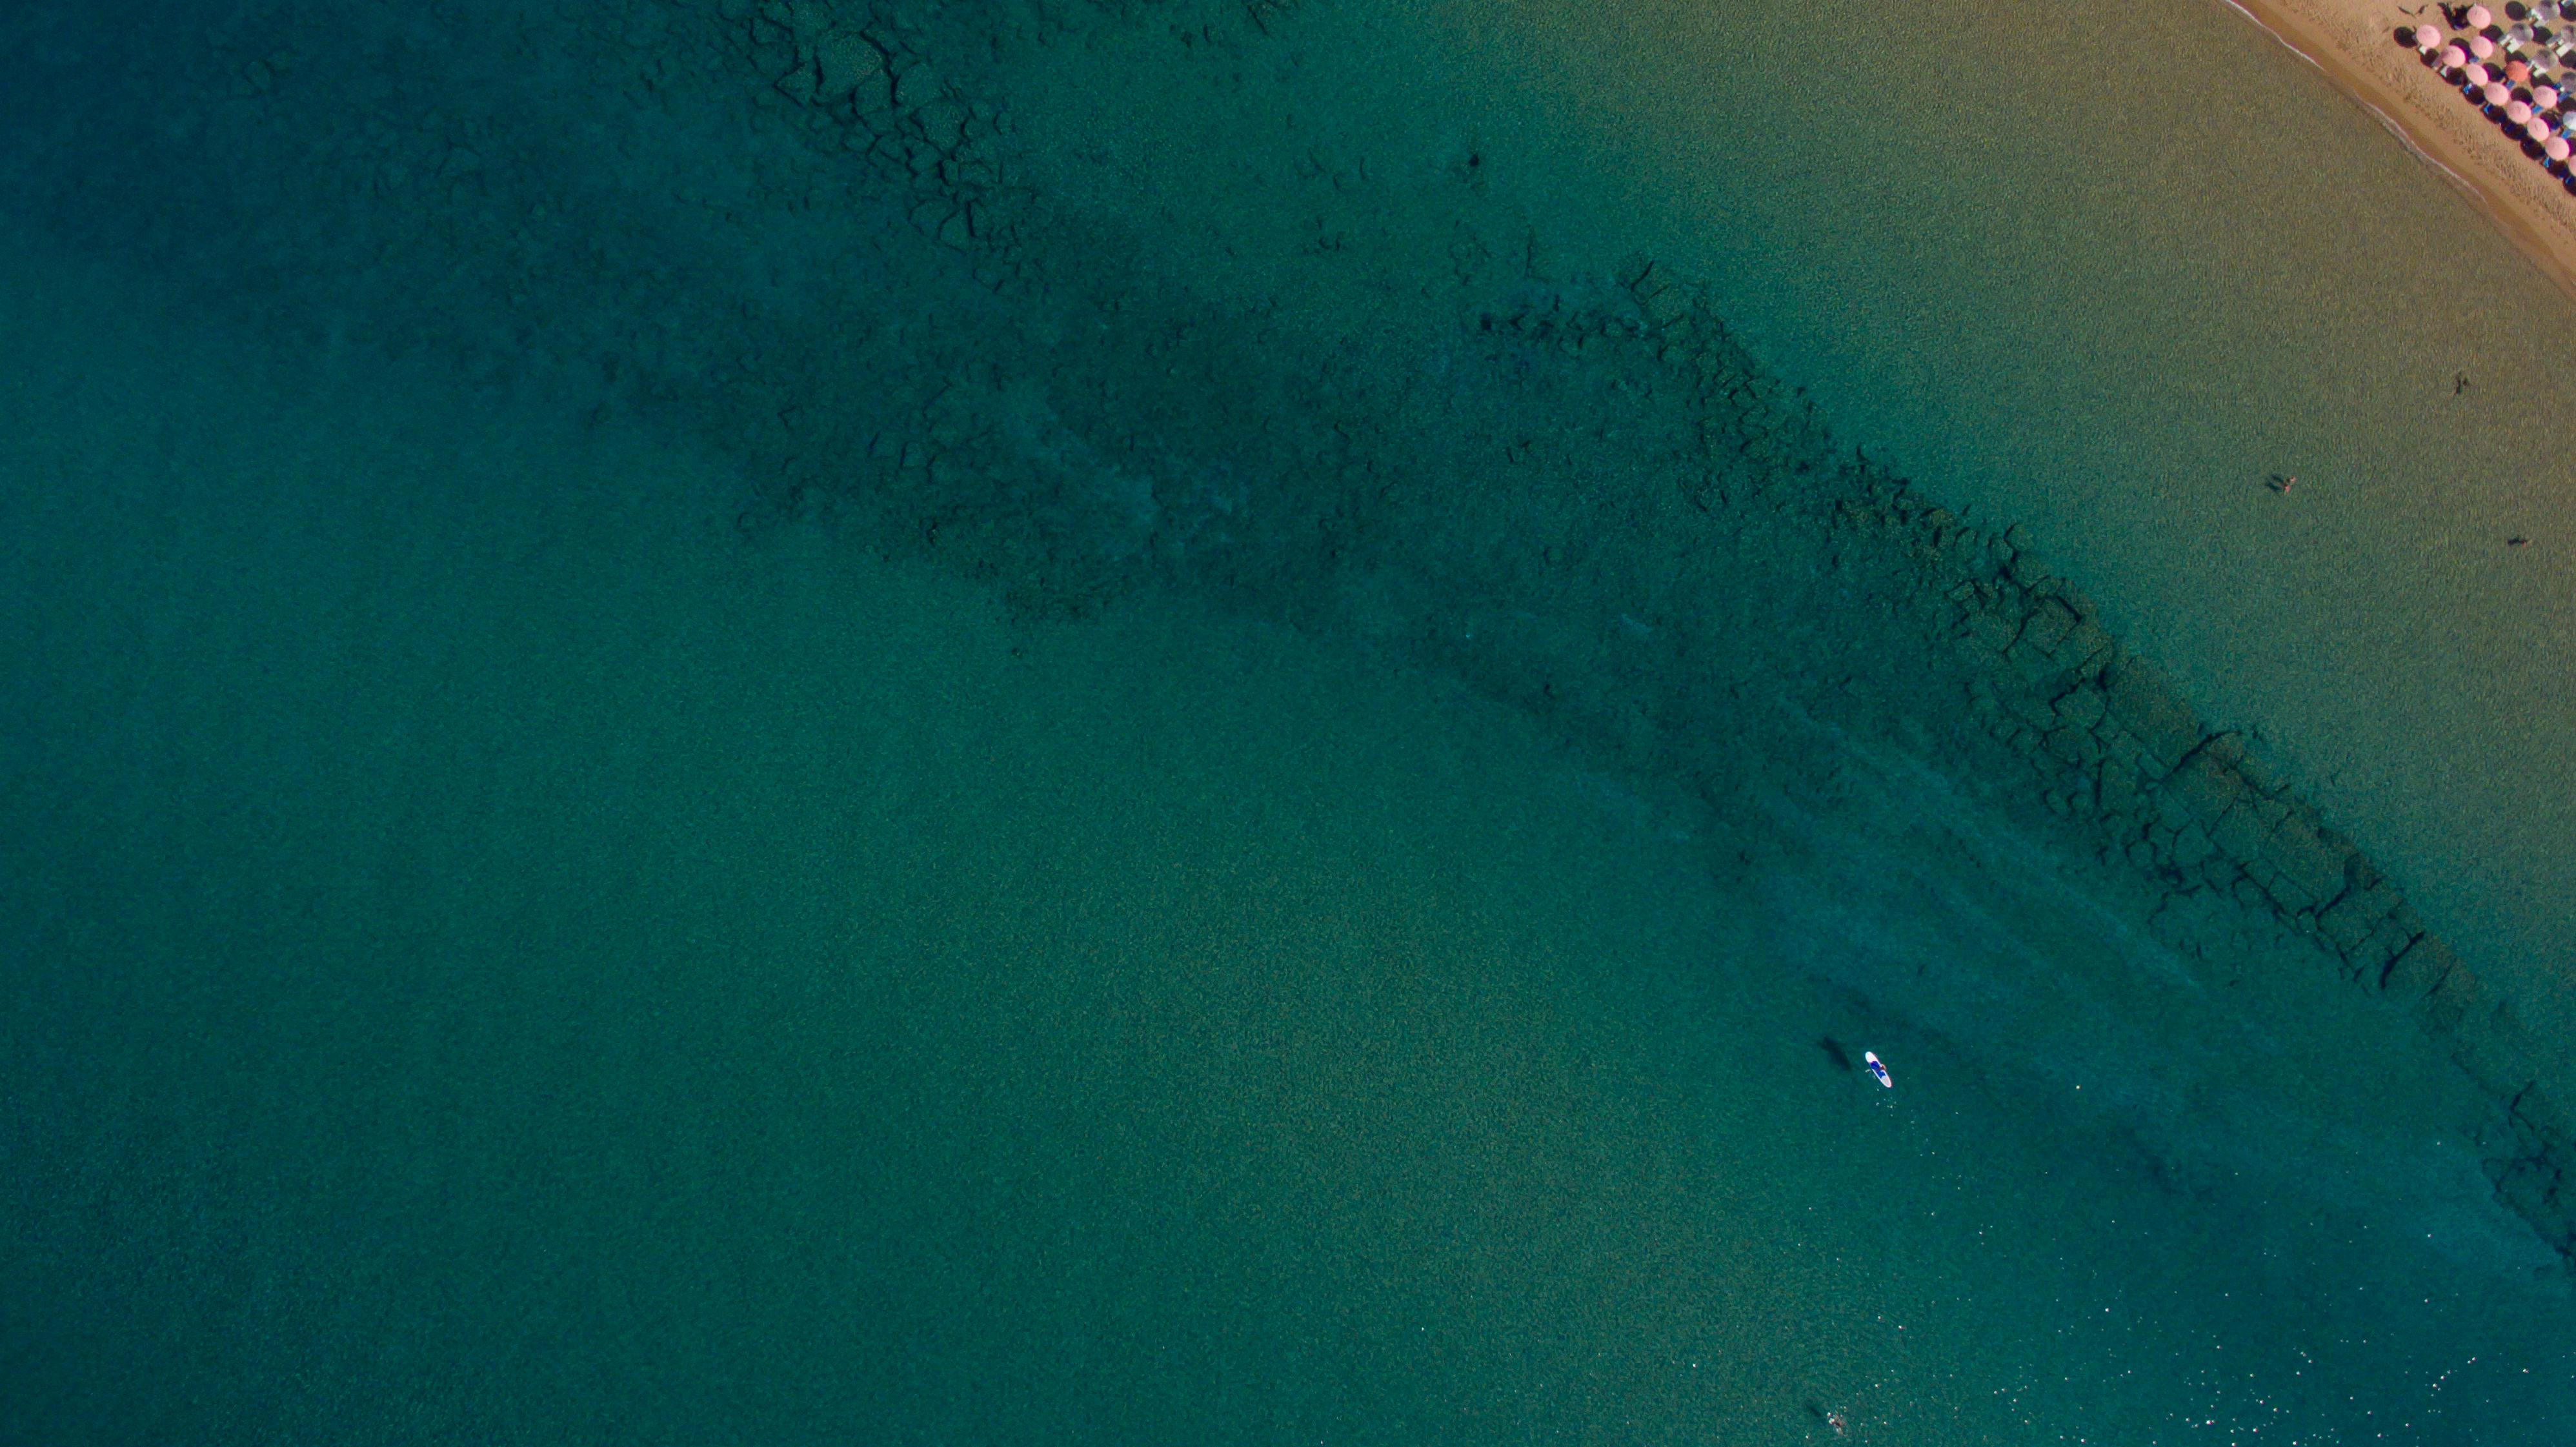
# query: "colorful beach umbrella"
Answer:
x=2514 y=111
x=2516 y=72
x=2544 y=97
x=2496 y=94
x=2475 y=75
x=2481 y=47
x=2426 y=37
x=2480 y=17
x=2555 y=148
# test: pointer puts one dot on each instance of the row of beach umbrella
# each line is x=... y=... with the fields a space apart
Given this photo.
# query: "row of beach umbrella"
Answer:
x=2498 y=72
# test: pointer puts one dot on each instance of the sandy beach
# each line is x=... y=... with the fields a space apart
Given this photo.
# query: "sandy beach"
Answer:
x=2355 y=42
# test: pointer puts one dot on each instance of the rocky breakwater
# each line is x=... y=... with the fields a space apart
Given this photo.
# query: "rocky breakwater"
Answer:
x=2111 y=746
x=2106 y=742
x=2112 y=743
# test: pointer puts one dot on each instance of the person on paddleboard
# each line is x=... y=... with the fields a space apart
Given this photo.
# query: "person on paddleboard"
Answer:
x=1877 y=1068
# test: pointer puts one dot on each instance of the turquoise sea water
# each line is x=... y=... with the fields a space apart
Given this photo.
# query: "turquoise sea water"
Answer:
x=532 y=913
x=2097 y=269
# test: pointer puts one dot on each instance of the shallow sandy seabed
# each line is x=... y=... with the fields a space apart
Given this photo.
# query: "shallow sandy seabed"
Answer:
x=1327 y=373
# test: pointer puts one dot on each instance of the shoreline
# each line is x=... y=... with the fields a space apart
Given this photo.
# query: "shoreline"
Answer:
x=2432 y=121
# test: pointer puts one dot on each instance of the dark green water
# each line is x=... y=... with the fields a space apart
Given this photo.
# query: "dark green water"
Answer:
x=532 y=911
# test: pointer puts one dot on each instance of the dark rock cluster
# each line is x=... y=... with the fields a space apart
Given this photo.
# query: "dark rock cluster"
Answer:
x=2111 y=741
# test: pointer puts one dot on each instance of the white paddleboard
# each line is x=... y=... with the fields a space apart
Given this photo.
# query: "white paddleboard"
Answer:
x=1877 y=1068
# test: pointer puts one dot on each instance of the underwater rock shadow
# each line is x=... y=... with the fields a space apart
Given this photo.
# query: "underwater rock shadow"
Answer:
x=1838 y=1052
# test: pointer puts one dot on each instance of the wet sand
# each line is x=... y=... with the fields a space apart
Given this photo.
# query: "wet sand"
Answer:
x=2355 y=43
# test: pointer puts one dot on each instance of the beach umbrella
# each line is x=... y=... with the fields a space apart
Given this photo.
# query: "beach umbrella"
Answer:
x=2516 y=72
x=2496 y=94
x=2474 y=74
x=2480 y=17
x=2555 y=148
x=2453 y=57
x=2481 y=47
x=2538 y=130
x=2426 y=37
x=2544 y=97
